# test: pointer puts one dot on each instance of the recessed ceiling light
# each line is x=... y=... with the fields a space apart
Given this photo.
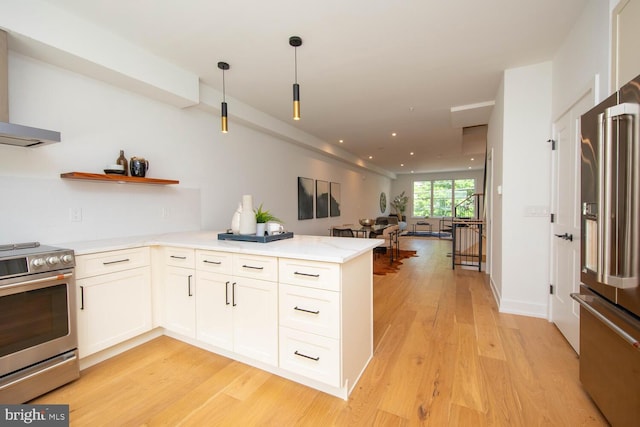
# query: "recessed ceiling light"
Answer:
x=370 y=157
x=411 y=153
x=401 y=164
x=393 y=134
x=472 y=159
x=341 y=141
x=411 y=171
x=469 y=167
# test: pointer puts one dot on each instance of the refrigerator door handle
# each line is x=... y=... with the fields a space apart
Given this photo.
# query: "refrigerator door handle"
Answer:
x=627 y=257
x=584 y=301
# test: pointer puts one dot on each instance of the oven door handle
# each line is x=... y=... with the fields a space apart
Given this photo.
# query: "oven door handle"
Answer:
x=582 y=300
x=40 y=280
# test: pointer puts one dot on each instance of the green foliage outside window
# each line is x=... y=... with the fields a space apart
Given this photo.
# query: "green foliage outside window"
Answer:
x=439 y=197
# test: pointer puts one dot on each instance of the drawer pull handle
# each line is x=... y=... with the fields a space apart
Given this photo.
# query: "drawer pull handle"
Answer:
x=226 y=293
x=306 y=311
x=252 y=267
x=306 y=274
x=116 y=262
x=305 y=356
x=189 y=284
x=178 y=257
x=81 y=297
x=206 y=261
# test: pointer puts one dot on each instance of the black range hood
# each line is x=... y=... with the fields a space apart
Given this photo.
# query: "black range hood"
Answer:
x=11 y=133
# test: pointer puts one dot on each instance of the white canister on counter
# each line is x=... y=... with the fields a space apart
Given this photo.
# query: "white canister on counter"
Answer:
x=235 y=220
x=247 y=216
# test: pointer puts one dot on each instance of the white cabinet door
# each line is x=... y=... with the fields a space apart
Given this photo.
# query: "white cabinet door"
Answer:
x=113 y=308
x=214 y=309
x=255 y=319
x=180 y=301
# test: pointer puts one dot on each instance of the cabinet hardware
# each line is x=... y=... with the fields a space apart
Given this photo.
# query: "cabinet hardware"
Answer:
x=81 y=297
x=306 y=274
x=305 y=356
x=116 y=262
x=178 y=257
x=233 y=294
x=252 y=267
x=189 y=284
x=226 y=293
x=206 y=261
x=306 y=311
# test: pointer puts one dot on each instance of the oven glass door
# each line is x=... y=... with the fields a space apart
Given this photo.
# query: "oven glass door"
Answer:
x=37 y=321
x=33 y=317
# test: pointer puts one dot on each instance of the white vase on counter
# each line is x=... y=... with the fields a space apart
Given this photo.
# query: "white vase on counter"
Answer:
x=247 y=216
x=235 y=220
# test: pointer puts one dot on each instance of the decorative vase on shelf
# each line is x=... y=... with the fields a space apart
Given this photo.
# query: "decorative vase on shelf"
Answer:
x=122 y=160
x=235 y=220
x=247 y=216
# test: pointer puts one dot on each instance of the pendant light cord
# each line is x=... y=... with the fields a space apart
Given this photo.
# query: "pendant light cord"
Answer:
x=295 y=61
x=224 y=97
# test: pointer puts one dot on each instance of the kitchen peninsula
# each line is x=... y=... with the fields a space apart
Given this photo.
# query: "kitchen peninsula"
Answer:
x=300 y=308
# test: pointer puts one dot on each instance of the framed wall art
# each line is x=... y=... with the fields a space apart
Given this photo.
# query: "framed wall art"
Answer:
x=305 y=198
x=334 y=203
x=322 y=199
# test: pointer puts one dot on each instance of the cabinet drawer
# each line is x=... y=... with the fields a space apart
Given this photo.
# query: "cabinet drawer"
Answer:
x=310 y=355
x=180 y=257
x=111 y=261
x=310 y=310
x=315 y=274
x=255 y=267
x=214 y=262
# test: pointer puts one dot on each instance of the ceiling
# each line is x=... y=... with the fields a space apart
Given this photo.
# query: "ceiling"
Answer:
x=366 y=68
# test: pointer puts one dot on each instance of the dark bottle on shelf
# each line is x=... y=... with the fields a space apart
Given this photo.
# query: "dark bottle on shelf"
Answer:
x=122 y=160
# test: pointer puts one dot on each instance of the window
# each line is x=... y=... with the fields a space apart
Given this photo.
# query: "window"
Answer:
x=439 y=198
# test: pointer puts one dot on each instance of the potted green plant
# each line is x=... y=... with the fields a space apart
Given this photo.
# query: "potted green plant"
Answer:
x=262 y=217
x=399 y=203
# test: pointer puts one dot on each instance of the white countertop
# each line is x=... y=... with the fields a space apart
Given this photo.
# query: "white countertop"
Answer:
x=313 y=248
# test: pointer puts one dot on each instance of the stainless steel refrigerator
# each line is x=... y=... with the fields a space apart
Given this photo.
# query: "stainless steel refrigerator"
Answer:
x=610 y=267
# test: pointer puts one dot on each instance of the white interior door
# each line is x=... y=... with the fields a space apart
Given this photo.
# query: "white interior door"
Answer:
x=565 y=242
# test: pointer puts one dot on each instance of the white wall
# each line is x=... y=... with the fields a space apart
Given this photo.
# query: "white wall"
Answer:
x=97 y=120
x=528 y=100
x=525 y=183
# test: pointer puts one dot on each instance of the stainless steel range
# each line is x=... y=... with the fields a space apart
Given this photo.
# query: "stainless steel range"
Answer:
x=38 y=337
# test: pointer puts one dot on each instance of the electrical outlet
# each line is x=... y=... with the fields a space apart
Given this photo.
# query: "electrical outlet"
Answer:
x=164 y=213
x=75 y=214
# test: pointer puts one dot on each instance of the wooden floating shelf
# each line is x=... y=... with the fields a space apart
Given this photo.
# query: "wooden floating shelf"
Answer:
x=116 y=178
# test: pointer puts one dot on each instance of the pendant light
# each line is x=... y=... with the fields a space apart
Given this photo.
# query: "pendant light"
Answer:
x=223 y=109
x=296 y=41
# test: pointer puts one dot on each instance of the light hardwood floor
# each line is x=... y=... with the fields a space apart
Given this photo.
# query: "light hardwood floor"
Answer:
x=444 y=356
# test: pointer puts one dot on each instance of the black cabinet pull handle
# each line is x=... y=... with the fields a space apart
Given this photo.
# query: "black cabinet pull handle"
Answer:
x=565 y=236
x=189 y=284
x=252 y=267
x=305 y=356
x=306 y=311
x=206 y=261
x=233 y=294
x=115 y=262
x=81 y=297
x=306 y=274
x=226 y=293
x=178 y=257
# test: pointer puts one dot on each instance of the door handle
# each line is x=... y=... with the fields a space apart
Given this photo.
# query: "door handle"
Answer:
x=565 y=236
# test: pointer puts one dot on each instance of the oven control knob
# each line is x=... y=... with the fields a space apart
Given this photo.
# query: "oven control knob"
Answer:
x=38 y=262
x=53 y=260
x=66 y=259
